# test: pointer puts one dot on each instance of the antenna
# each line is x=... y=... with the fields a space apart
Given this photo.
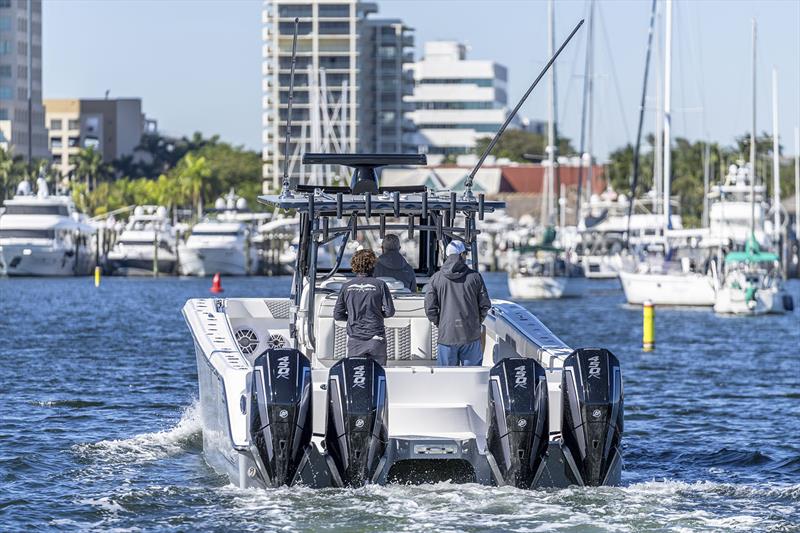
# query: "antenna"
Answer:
x=471 y=177
x=285 y=193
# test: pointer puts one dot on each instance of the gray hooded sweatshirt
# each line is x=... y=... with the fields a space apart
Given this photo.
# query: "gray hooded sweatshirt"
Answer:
x=392 y=264
x=456 y=301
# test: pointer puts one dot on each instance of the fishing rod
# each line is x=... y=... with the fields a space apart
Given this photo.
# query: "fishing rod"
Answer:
x=490 y=147
x=285 y=193
x=635 y=177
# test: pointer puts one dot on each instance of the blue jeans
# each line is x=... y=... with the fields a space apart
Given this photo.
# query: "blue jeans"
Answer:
x=461 y=354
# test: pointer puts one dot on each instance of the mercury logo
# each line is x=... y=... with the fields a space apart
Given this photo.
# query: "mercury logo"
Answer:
x=522 y=422
x=360 y=423
x=283 y=413
x=283 y=367
x=594 y=367
x=596 y=413
x=520 y=377
x=359 y=377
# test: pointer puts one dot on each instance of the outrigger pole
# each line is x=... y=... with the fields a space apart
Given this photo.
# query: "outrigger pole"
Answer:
x=490 y=147
x=285 y=193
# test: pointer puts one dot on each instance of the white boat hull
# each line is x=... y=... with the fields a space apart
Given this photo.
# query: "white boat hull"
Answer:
x=601 y=266
x=537 y=287
x=764 y=301
x=668 y=289
x=434 y=413
x=209 y=261
x=37 y=260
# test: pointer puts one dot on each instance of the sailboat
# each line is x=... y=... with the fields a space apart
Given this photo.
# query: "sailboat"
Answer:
x=540 y=271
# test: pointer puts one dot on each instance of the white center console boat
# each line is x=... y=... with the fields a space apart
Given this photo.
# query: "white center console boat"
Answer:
x=282 y=404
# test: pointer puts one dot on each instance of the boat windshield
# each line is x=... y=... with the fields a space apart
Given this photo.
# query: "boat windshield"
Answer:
x=216 y=233
x=60 y=210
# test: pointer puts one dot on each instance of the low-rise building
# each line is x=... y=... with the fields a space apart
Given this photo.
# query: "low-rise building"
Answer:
x=112 y=127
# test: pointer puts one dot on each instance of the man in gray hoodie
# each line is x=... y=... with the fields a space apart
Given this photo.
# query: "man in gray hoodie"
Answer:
x=392 y=264
x=456 y=301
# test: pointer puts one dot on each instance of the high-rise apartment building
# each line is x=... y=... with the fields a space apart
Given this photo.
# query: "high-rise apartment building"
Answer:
x=112 y=127
x=456 y=100
x=349 y=86
x=387 y=45
x=22 y=130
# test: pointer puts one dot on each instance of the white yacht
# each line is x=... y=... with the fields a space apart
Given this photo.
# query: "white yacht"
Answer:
x=44 y=235
x=731 y=208
x=680 y=282
x=537 y=272
x=282 y=404
x=146 y=245
x=223 y=243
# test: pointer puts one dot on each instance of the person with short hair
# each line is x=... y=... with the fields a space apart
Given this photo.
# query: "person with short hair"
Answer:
x=364 y=302
x=457 y=302
x=392 y=264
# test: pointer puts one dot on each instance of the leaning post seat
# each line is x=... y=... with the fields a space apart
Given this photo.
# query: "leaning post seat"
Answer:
x=410 y=337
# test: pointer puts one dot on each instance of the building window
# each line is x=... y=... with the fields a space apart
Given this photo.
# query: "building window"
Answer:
x=480 y=82
x=334 y=28
x=56 y=142
x=294 y=10
x=287 y=28
x=5 y=23
x=334 y=10
x=3 y=114
x=92 y=143
x=73 y=141
x=5 y=3
x=74 y=124
x=57 y=159
x=92 y=124
x=55 y=124
x=6 y=92
x=5 y=71
x=6 y=47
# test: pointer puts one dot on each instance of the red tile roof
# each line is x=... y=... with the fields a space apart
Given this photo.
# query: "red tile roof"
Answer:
x=530 y=178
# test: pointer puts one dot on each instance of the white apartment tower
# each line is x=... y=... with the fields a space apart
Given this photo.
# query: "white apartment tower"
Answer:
x=456 y=100
x=348 y=85
x=22 y=130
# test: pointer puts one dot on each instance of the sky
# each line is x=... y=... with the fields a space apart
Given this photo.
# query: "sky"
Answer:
x=197 y=64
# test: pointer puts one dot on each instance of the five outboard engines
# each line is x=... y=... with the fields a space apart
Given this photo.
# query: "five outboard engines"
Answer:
x=592 y=416
x=280 y=414
x=356 y=432
x=518 y=419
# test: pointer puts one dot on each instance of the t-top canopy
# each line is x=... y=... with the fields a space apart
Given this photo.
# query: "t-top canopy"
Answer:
x=364 y=177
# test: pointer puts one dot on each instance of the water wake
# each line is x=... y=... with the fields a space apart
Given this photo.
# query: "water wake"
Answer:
x=148 y=447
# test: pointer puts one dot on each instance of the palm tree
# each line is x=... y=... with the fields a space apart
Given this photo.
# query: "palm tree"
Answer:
x=89 y=167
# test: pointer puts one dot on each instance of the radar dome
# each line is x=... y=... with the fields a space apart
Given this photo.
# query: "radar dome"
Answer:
x=41 y=187
x=161 y=211
x=241 y=204
x=138 y=211
x=24 y=188
x=219 y=204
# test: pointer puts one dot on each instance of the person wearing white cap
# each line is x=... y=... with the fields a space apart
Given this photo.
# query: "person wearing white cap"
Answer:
x=457 y=302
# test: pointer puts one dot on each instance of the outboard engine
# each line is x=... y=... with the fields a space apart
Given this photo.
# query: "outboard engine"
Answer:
x=592 y=416
x=280 y=414
x=356 y=432
x=518 y=419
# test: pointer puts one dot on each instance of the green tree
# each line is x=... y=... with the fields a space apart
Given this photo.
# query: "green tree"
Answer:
x=89 y=167
x=514 y=144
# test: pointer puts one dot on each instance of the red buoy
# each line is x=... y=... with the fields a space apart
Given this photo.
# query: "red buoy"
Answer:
x=216 y=283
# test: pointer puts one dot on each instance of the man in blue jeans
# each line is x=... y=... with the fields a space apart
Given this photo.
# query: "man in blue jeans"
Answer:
x=456 y=301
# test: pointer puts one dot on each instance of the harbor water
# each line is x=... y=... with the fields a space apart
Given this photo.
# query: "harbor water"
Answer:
x=99 y=426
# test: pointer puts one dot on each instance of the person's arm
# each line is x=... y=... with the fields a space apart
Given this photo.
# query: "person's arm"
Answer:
x=432 y=303
x=340 y=309
x=484 y=302
x=388 y=303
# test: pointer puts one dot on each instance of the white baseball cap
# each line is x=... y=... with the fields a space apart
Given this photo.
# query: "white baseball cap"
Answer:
x=455 y=248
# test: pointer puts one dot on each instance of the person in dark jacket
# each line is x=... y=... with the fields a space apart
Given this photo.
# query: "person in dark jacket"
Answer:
x=392 y=264
x=364 y=302
x=456 y=301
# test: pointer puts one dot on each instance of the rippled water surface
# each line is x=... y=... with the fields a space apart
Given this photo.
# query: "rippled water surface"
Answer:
x=99 y=428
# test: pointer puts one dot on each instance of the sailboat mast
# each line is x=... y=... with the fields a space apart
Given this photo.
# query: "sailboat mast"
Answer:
x=667 y=114
x=776 y=164
x=753 y=144
x=797 y=183
x=581 y=148
x=551 y=122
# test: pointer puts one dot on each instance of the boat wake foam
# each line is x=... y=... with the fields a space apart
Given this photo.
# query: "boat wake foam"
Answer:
x=146 y=447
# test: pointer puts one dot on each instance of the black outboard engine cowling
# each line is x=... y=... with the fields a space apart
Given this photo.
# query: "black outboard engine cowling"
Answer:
x=356 y=432
x=280 y=414
x=518 y=419
x=592 y=416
